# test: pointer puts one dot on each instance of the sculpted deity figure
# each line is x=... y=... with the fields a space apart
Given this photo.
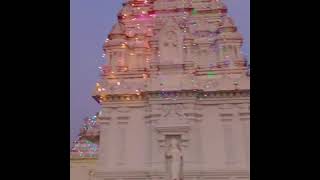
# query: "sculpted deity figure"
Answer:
x=174 y=160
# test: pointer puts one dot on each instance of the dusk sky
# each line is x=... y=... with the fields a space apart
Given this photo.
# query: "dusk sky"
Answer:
x=91 y=21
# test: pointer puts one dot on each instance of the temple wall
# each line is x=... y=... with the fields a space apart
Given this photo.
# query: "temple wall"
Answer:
x=213 y=151
x=225 y=136
x=136 y=145
x=125 y=142
x=220 y=140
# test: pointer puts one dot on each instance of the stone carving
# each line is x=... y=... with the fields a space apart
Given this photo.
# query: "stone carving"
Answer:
x=174 y=160
x=173 y=113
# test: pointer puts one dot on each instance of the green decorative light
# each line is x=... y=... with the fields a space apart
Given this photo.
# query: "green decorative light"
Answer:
x=194 y=12
x=211 y=74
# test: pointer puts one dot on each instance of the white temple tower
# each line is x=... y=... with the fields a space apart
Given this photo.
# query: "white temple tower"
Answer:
x=174 y=70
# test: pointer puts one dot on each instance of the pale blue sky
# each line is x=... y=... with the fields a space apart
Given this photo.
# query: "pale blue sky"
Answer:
x=91 y=21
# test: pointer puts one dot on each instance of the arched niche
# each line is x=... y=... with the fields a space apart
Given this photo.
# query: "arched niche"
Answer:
x=171 y=44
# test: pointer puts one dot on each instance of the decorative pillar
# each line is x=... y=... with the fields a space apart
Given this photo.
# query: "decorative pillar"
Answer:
x=229 y=143
x=103 y=158
x=246 y=139
x=244 y=120
x=148 y=157
x=197 y=143
x=121 y=144
x=227 y=122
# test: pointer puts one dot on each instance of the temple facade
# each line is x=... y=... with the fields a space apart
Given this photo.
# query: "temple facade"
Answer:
x=174 y=70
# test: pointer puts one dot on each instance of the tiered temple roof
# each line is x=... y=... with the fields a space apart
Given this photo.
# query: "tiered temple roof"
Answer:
x=87 y=143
